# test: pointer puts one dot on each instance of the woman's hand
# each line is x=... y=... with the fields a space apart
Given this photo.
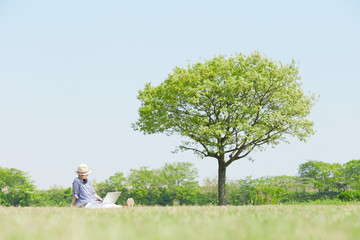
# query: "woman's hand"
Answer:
x=98 y=198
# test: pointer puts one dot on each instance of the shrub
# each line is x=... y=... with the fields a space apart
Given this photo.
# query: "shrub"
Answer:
x=348 y=196
x=56 y=196
x=16 y=187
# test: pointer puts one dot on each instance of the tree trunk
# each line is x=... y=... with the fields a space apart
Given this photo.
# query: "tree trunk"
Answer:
x=221 y=182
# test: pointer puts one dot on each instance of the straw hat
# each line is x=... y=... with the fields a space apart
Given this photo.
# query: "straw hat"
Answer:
x=83 y=169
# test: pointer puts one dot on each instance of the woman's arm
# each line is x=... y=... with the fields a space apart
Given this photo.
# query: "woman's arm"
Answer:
x=75 y=192
x=73 y=202
x=95 y=194
x=98 y=198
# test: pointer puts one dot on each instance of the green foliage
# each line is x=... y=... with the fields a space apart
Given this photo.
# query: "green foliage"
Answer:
x=171 y=183
x=250 y=100
x=53 y=197
x=114 y=183
x=275 y=190
x=308 y=197
x=16 y=187
x=352 y=173
x=261 y=191
x=267 y=191
x=348 y=196
x=239 y=191
x=179 y=180
x=208 y=194
x=324 y=176
x=145 y=185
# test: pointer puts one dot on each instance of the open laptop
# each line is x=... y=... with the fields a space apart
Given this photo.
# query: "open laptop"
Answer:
x=111 y=197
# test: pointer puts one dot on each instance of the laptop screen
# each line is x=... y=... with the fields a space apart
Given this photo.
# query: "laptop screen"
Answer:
x=111 y=197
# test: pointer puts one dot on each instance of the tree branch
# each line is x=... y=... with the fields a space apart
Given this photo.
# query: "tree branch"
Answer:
x=193 y=149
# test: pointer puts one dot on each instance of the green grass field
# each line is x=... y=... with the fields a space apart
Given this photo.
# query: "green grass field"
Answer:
x=244 y=222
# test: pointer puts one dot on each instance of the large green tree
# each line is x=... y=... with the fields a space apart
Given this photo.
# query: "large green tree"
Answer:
x=227 y=107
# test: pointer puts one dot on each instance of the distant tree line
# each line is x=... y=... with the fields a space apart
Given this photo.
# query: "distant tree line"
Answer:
x=176 y=184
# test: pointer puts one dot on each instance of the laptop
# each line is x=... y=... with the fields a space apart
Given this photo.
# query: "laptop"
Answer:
x=111 y=197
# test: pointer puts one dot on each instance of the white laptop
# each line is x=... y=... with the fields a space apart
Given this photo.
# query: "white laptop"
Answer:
x=111 y=197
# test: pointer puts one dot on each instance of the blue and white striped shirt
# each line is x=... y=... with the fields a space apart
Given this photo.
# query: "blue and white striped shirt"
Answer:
x=83 y=192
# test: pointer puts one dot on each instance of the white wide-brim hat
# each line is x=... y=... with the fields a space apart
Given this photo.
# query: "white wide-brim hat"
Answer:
x=83 y=169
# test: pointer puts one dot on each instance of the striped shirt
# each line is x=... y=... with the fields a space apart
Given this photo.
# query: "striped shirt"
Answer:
x=83 y=192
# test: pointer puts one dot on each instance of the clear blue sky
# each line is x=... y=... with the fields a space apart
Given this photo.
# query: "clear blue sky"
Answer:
x=70 y=72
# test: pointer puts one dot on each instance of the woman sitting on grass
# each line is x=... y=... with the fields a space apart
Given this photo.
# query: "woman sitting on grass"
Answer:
x=84 y=194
